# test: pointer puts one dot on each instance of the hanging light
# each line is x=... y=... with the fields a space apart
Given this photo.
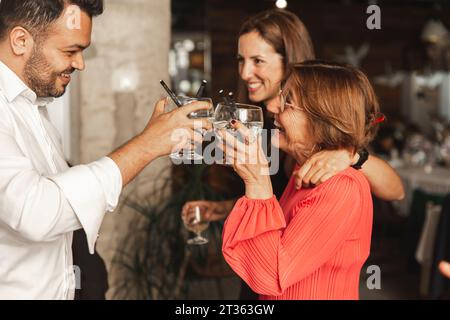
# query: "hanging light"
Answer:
x=281 y=4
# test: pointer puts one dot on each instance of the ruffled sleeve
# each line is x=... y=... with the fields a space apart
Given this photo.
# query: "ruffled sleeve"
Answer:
x=251 y=218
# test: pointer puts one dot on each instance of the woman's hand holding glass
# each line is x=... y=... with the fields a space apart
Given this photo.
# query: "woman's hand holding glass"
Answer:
x=250 y=116
x=244 y=151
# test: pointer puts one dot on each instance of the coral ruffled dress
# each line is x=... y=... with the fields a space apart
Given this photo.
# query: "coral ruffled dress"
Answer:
x=311 y=244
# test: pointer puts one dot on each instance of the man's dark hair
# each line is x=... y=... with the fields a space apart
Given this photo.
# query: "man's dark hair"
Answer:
x=37 y=15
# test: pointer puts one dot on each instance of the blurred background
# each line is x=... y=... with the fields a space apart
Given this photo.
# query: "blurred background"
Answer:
x=138 y=42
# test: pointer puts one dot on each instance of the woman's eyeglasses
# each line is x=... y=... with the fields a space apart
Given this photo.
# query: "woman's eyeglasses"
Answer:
x=285 y=100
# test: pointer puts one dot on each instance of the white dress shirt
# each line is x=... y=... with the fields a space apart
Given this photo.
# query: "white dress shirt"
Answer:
x=42 y=200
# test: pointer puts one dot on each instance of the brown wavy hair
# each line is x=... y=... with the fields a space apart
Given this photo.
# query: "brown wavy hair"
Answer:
x=285 y=32
x=339 y=102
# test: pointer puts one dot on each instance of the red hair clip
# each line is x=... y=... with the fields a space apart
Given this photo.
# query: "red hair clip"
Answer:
x=379 y=119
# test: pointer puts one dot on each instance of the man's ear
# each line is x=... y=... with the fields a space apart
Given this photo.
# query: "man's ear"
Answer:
x=21 y=41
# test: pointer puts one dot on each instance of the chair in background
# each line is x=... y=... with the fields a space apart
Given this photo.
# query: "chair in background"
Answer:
x=415 y=222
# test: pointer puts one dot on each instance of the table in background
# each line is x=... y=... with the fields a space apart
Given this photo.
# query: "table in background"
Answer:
x=435 y=182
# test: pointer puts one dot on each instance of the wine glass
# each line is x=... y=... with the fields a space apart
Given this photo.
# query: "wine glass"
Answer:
x=190 y=153
x=249 y=115
x=195 y=221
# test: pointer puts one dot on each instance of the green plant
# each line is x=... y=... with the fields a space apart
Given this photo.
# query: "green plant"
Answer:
x=154 y=260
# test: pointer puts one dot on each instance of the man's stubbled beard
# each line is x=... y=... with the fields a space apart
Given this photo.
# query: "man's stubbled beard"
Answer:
x=39 y=75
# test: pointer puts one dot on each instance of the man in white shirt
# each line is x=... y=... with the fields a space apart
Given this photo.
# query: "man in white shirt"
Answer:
x=42 y=200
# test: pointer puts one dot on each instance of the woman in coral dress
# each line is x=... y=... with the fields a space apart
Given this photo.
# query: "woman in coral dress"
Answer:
x=311 y=243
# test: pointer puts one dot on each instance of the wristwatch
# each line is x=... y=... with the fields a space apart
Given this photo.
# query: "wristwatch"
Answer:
x=363 y=156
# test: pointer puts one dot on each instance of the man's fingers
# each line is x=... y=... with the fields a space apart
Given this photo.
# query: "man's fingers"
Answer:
x=202 y=124
x=195 y=106
x=160 y=107
x=186 y=136
x=197 y=124
x=196 y=136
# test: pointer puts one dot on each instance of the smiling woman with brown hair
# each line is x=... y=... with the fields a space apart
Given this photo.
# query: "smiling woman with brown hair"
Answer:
x=313 y=243
x=268 y=43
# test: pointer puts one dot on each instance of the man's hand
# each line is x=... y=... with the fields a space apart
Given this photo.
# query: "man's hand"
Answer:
x=168 y=132
x=164 y=133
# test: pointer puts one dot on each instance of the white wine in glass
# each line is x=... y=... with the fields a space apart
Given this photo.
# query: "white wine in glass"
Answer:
x=195 y=222
x=249 y=115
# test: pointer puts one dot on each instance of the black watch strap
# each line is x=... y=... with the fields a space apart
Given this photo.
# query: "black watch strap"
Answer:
x=363 y=156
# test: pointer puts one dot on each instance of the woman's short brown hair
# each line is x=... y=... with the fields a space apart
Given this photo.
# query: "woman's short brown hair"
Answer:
x=339 y=102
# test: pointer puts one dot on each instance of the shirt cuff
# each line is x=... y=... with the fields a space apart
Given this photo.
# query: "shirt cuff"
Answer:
x=91 y=190
x=110 y=177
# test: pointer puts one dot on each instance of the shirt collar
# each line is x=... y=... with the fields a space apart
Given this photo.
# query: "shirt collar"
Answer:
x=14 y=87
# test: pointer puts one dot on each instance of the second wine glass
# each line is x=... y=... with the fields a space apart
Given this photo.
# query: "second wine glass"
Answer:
x=249 y=115
x=196 y=222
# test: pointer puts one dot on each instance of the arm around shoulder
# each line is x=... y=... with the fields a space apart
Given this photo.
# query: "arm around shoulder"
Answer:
x=384 y=182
